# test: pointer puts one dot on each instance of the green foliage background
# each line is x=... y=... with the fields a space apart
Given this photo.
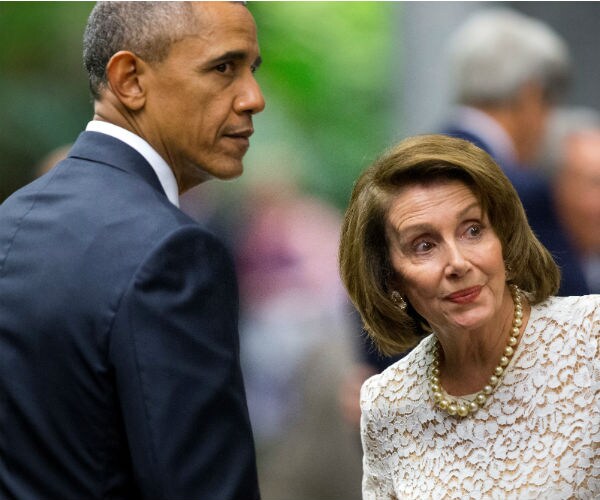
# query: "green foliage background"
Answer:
x=327 y=78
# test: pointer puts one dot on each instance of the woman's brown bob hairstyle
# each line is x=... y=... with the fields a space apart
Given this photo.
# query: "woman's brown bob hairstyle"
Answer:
x=364 y=258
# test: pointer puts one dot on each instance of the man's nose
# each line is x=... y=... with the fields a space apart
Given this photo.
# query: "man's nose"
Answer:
x=250 y=99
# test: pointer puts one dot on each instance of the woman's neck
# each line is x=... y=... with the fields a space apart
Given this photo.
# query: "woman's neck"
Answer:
x=468 y=358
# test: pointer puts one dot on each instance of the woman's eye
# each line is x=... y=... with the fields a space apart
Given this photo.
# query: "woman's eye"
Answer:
x=423 y=246
x=474 y=230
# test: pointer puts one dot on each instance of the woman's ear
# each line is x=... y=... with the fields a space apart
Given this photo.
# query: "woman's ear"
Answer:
x=123 y=73
x=395 y=283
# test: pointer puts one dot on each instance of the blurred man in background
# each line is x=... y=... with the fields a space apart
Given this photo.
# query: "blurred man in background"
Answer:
x=571 y=157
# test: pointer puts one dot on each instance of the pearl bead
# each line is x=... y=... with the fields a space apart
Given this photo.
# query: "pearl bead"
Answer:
x=463 y=408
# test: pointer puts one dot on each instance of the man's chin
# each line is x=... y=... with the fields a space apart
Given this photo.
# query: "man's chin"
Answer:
x=224 y=171
x=231 y=168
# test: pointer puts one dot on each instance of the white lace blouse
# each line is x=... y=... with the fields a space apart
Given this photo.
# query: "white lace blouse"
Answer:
x=538 y=436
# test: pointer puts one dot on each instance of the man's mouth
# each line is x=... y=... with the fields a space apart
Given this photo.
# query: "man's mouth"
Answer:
x=244 y=133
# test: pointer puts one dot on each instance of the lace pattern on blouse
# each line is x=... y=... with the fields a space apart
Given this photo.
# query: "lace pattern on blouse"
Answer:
x=538 y=436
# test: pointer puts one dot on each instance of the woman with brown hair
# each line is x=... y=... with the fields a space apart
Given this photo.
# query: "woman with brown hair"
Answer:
x=500 y=398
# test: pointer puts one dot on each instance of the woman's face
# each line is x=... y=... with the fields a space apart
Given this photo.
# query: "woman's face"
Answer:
x=446 y=255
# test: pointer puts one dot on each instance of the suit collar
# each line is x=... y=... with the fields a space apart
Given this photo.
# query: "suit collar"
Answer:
x=102 y=148
x=159 y=165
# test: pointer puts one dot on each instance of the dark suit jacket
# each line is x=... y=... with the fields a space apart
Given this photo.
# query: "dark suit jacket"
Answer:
x=119 y=364
x=536 y=196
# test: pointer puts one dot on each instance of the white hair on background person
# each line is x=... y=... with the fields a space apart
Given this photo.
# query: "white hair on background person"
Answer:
x=496 y=51
x=563 y=123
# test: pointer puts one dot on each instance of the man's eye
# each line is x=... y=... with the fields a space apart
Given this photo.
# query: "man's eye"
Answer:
x=223 y=67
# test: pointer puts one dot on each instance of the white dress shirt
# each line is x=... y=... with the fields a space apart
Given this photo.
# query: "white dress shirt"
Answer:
x=491 y=133
x=161 y=168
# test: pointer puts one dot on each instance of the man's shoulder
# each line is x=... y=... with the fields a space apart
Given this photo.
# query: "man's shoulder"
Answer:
x=455 y=130
x=97 y=212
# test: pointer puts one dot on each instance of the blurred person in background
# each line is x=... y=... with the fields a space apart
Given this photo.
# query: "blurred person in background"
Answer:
x=50 y=159
x=499 y=396
x=571 y=158
x=119 y=353
x=508 y=71
x=296 y=343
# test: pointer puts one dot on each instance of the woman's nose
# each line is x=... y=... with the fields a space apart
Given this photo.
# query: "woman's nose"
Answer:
x=457 y=263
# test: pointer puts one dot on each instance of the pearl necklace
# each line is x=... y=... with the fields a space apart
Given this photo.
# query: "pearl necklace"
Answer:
x=462 y=407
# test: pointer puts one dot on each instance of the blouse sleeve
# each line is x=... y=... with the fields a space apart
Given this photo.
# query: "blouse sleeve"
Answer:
x=377 y=481
x=594 y=341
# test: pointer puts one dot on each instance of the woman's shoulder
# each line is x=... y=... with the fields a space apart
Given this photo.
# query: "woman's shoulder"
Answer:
x=561 y=322
x=397 y=379
x=578 y=309
x=591 y=301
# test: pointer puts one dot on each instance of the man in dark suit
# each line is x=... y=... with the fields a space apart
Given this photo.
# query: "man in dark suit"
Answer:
x=119 y=364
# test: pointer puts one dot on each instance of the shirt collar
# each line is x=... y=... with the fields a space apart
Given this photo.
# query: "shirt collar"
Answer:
x=482 y=125
x=161 y=168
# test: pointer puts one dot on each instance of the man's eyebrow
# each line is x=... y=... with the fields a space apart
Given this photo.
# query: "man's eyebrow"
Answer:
x=235 y=55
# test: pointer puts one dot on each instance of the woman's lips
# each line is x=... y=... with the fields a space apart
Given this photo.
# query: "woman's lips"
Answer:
x=465 y=296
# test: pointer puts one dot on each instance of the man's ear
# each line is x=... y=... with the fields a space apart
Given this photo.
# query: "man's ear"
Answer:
x=123 y=73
